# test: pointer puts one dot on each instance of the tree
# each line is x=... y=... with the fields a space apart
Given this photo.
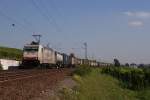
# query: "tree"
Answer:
x=127 y=64
x=133 y=64
x=116 y=62
x=141 y=65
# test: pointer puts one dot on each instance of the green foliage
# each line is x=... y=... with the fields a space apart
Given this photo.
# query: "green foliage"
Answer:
x=10 y=53
x=82 y=70
x=68 y=94
x=135 y=79
x=116 y=62
x=97 y=86
x=127 y=64
x=144 y=94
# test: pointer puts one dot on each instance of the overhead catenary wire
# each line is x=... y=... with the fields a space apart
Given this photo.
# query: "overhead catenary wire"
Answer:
x=44 y=13
x=50 y=16
x=53 y=5
x=41 y=12
x=14 y=22
x=29 y=23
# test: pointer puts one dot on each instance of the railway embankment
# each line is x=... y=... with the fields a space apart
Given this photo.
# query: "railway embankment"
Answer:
x=95 y=85
x=83 y=83
x=33 y=85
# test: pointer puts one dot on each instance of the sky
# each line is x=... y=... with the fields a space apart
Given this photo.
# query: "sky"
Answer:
x=111 y=28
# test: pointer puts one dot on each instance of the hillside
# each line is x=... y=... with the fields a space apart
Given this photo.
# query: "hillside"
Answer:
x=10 y=53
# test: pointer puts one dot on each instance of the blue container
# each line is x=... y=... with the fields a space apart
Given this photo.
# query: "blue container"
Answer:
x=66 y=59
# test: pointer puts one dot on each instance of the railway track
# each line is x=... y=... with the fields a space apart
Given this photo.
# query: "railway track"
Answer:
x=28 y=84
x=6 y=76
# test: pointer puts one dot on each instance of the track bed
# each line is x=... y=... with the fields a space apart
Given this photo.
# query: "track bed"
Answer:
x=28 y=84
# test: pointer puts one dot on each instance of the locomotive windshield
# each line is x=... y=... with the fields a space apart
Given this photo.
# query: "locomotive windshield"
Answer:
x=30 y=49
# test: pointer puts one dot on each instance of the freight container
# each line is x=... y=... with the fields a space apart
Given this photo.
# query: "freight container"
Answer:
x=59 y=59
x=65 y=60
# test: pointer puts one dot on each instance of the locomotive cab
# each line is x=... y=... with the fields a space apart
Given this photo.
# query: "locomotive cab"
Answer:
x=30 y=55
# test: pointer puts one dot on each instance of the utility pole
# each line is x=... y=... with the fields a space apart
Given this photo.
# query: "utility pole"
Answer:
x=85 y=47
x=37 y=38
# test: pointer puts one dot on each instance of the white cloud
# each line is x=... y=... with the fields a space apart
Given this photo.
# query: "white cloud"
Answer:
x=140 y=14
x=136 y=23
x=128 y=13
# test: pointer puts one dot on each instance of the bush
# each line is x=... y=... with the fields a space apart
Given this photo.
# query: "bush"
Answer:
x=68 y=94
x=144 y=94
x=135 y=79
x=82 y=70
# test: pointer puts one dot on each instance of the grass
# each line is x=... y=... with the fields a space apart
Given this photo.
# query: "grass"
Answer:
x=144 y=94
x=97 y=86
x=10 y=53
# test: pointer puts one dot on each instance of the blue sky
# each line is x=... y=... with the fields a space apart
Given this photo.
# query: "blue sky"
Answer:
x=111 y=28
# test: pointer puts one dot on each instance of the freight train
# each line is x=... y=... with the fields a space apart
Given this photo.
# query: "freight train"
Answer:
x=37 y=55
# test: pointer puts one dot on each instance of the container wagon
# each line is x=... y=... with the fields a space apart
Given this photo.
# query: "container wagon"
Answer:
x=66 y=60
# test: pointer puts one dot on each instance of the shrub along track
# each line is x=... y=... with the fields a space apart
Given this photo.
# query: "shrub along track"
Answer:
x=28 y=84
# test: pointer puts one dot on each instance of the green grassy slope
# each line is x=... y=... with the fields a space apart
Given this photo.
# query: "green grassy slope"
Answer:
x=97 y=86
x=10 y=53
x=103 y=87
